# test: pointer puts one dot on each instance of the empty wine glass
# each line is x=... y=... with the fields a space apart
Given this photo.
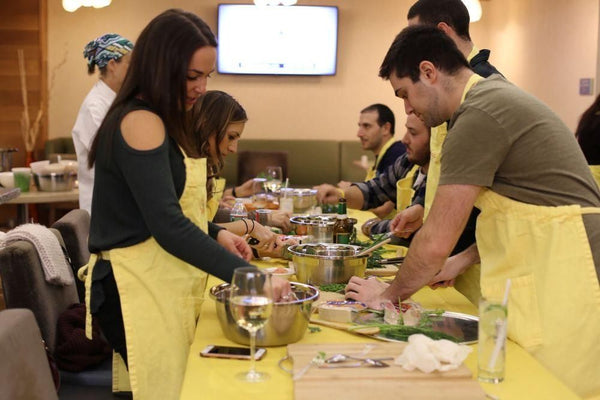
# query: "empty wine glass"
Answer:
x=251 y=302
x=274 y=178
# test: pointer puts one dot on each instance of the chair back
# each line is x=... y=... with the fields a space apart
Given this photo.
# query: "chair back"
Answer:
x=24 y=370
x=252 y=162
x=25 y=287
x=74 y=227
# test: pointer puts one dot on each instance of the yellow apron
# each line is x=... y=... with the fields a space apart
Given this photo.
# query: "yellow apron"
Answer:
x=468 y=282
x=404 y=189
x=372 y=171
x=212 y=206
x=161 y=297
x=596 y=173
x=554 y=302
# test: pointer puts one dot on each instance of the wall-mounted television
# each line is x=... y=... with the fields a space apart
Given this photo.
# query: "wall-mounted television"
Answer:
x=277 y=40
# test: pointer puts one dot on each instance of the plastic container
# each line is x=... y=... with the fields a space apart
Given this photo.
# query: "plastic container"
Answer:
x=238 y=211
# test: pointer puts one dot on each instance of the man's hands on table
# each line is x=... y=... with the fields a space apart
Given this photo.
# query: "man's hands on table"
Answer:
x=369 y=291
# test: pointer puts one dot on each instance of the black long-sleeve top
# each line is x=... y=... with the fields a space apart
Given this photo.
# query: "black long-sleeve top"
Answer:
x=136 y=196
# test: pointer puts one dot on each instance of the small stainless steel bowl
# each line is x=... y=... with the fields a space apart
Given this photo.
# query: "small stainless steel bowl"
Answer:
x=325 y=263
x=318 y=228
x=287 y=324
x=54 y=182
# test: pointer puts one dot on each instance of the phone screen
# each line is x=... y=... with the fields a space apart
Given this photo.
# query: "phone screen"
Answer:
x=235 y=351
x=231 y=352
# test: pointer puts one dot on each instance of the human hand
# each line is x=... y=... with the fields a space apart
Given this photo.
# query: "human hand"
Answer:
x=344 y=185
x=367 y=291
x=447 y=275
x=327 y=194
x=227 y=202
x=246 y=189
x=279 y=248
x=281 y=219
x=282 y=289
x=266 y=237
x=234 y=244
x=407 y=221
x=454 y=266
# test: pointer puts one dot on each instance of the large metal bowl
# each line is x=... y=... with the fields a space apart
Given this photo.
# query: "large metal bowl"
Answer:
x=324 y=263
x=287 y=324
x=54 y=182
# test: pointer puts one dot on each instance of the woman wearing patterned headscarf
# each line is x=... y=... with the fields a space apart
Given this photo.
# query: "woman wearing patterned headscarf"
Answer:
x=110 y=53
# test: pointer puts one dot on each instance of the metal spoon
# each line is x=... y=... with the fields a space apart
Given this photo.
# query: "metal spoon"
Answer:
x=339 y=358
x=367 y=362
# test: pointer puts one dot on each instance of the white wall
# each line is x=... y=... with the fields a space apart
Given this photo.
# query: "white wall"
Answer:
x=544 y=46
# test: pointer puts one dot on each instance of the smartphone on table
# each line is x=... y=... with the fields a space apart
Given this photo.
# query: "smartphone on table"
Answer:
x=237 y=353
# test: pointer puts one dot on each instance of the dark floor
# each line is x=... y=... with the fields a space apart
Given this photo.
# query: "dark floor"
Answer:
x=74 y=392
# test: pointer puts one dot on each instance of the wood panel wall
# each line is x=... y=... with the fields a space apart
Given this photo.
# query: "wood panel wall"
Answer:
x=23 y=25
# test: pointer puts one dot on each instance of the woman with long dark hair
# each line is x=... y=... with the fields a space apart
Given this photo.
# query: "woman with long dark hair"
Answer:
x=150 y=241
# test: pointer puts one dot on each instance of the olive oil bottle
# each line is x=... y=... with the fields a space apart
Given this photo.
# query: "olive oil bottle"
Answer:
x=342 y=229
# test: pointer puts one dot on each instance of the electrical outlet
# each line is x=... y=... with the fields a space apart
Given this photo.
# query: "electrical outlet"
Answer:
x=586 y=86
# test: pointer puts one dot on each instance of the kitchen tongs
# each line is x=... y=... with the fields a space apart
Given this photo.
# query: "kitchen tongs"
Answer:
x=393 y=260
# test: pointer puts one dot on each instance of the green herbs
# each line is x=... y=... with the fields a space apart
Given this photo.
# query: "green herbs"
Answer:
x=333 y=287
x=314 y=329
x=376 y=255
x=402 y=332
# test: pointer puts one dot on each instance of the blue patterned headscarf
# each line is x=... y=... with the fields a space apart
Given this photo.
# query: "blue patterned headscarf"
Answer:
x=107 y=47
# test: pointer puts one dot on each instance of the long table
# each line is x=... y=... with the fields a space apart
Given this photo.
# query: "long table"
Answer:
x=209 y=378
x=38 y=197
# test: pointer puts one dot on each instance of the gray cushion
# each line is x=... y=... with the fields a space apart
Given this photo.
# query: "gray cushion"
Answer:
x=24 y=370
x=74 y=228
x=25 y=287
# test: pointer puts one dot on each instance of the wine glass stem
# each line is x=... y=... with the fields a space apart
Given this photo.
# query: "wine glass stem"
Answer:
x=252 y=351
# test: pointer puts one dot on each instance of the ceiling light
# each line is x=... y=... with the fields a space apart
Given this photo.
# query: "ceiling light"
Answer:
x=474 y=7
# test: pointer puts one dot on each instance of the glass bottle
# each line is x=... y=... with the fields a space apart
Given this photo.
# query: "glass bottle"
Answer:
x=238 y=211
x=342 y=229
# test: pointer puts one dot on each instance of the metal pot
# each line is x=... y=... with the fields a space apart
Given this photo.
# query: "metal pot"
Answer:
x=55 y=182
x=6 y=159
x=323 y=263
x=287 y=324
x=318 y=228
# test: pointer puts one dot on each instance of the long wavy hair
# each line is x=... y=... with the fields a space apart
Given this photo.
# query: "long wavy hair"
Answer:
x=158 y=74
x=212 y=114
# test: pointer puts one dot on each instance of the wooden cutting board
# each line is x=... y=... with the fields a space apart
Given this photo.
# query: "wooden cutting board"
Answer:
x=384 y=270
x=393 y=382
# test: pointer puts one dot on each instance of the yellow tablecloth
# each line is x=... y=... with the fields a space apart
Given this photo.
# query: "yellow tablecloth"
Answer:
x=209 y=378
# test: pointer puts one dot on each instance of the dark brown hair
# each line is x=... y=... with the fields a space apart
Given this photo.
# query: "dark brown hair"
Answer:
x=421 y=43
x=158 y=72
x=212 y=114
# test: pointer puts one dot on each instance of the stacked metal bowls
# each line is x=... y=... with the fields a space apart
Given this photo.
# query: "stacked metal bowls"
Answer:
x=287 y=324
x=324 y=263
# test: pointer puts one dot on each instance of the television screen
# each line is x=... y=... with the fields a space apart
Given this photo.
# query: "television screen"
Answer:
x=277 y=40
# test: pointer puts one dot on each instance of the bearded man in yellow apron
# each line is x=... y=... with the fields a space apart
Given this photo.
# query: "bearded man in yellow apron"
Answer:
x=514 y=159
x=152 y=247
x=402 y=183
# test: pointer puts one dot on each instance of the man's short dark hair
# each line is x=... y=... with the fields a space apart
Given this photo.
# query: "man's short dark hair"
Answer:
x=452 y=12
x=384 y=115
x=421 y=43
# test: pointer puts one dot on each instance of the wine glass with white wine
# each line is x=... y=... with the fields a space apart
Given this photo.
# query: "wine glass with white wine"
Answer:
x=274 y=178
x=251 y=302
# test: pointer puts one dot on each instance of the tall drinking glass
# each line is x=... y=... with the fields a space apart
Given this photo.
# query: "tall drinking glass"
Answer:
x=274 y=178
x=492 y=340
x=251 y=302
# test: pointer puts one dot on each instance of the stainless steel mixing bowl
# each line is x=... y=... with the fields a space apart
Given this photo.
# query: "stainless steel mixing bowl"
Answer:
x=287 y=324
x=324 y=263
